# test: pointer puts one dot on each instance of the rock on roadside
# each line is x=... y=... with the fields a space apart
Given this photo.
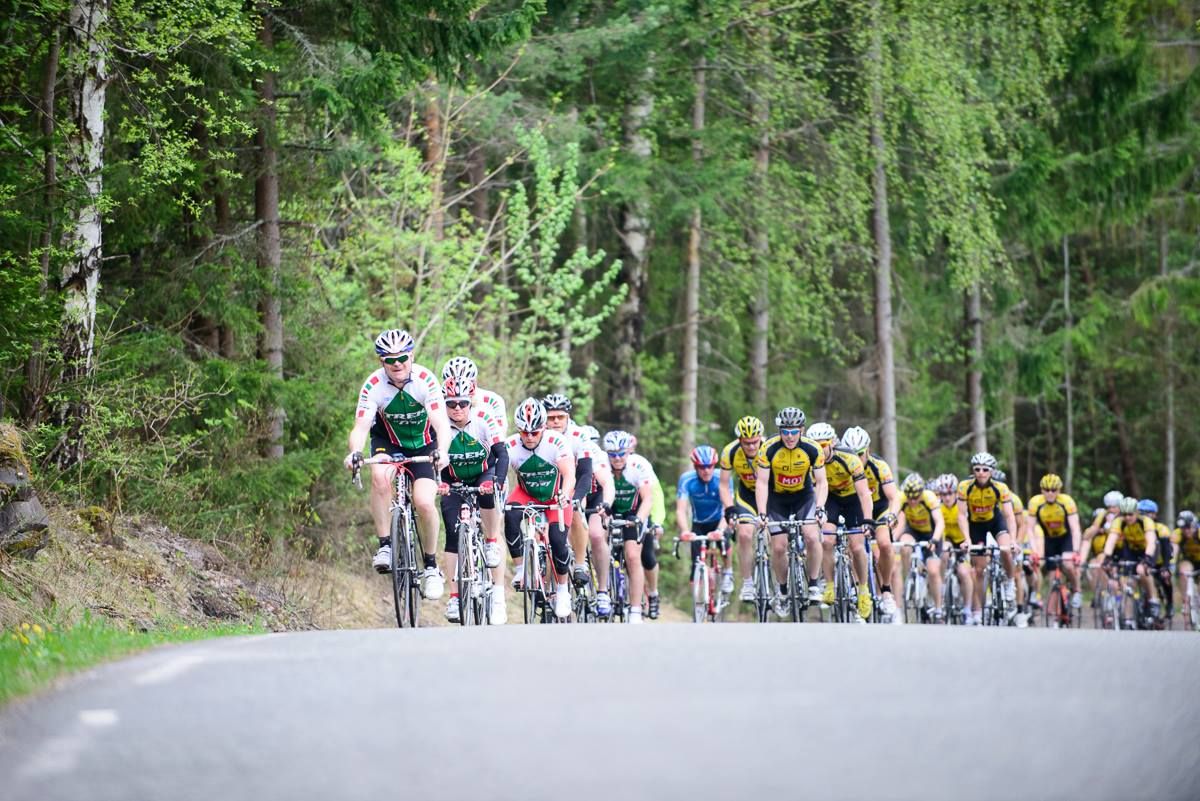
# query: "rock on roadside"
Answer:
x=24 y=524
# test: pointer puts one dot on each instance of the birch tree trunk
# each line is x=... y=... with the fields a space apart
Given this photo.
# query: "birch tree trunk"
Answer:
x=691 y=330
x=883 y=250
x=80 y=279
x=975 y=376
x=35 y=368
x=761 y=250
x=266 y=210
x=634 y=234
x=1169 y=482
x=1070 y=389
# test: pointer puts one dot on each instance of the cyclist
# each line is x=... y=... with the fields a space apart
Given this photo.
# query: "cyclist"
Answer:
x=946 y=487
x=697 y=499
x=401 y=411
x=737 y=496
x=558 y=418
x=985 y=507
x=1133 y=537
x=1056 y=516
x=790 y=481
x=545 y=470
x=634 y=497
x=1187 y=541
x=850 y=499
x=658 y=513
x=461 y=368
x=596 y=507
x=1028 y=580
x=1163 y=554
x=921 y=520
x=1094 y=536
x=885 y=507
x=477 y=454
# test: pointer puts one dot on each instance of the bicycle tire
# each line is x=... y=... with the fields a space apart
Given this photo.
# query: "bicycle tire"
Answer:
x=463 y=577
x=403 y=573
x=700 y=590
x=949 y=594
x=762 y=589
x=797 y=586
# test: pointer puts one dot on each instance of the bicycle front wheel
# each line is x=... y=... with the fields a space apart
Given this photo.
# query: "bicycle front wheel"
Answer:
x=797 y=587
x=404 y=572
x=699 y=592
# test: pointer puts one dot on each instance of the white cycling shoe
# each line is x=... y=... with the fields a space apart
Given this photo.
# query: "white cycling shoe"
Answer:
x=562 y=601
x=492 y=553
x=452 y=611
x=383 y=559
x=433 y=584
x=498 y=612
x=747 y=593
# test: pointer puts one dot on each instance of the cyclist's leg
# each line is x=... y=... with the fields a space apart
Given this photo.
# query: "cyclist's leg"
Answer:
x=578 y=536
x=633 y=567
x=884 y=551
x=744 y=500
x=600 y=554
x=650 y=563
x=512 y=531
x=383 y=488
x=906 y=541
x=933 y=575
x=1005 y=540
x=978 y=535
x=451 y=507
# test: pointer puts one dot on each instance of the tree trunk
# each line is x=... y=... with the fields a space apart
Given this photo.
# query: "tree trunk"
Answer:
x=35 y=368
x=80 y=278
x=883 y=251
x=635 y=229
x=435 y=160
x=1169 y=356
x=266 y=210
x=760 y=248
x=1069 y=385
x=975 y=376
x=691 y=331
x=224 y=225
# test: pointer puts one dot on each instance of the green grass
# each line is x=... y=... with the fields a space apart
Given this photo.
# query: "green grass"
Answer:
x=32 y=656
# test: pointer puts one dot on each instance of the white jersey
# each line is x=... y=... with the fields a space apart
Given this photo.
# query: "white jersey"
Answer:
x=494 y=405
x=642 y=464
x=403 y=411
x=471 y=444
x=537 y=469
x=636 y=474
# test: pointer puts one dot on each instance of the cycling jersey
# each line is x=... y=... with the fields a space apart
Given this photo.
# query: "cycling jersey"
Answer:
x=1052 y=516
x=403 y=412
x=791 y=468
x=1189 y=546
x=1131 y=535
x=471 y=446
x=628 y=481
x=493 y=404
x=537 y=470
x=1101 y=522
x=1162 y=554
x=983 y=501
x=842 y=470
x=950 y=519
x=733 y=458
x=919 y=514
x=704 y=496
x=879 y=473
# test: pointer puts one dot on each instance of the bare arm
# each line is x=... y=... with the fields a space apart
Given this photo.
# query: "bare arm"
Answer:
x=939 y=524
x=893 y=497
x=1076 y=537
x=1010 y=519
x=646 y=500
x=360 y=433
x=723 y=490
x=681 y=515
x=566 y=469
x=762 y=476
x=822 y=488
x=863 y=490
x=962 y=522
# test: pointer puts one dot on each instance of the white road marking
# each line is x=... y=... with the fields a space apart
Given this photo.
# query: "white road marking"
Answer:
x=98 y=718
x=170 y=668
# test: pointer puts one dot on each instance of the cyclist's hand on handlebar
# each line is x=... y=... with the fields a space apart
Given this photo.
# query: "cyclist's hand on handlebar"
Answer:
x=487 y=487
x=442 y=460
x=761 y=521
x=687 y=536
x=353 y=460
x=731 y=513
x=443 y=488
x=717 y=534
x=886 y=519
x=820 y=514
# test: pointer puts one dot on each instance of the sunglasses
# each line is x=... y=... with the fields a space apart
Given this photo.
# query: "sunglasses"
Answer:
x=789 y=432
x=533 y=433
x=823 y=442
x=401 y=359
x=616 y=454
x=981 y=469
x=457 y=404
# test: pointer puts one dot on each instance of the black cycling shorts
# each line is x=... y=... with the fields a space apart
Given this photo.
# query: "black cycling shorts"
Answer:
x=781 y=506
x=980 y=530
x=591 y=504
x=932 y=550
x=1057 y=546
x=746 y=503
x=381 y=443
x=452 y=505
x=847 y=506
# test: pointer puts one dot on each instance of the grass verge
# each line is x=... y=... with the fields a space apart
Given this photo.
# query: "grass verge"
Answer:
x=32 y=656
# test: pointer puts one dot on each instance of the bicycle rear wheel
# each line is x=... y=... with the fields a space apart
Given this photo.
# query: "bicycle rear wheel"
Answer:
x=404 y=577
x=797 y=587
x=700 y=590
x=762 y=589
x=463 y=580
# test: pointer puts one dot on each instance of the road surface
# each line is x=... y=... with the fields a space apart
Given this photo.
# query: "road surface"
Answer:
x=622 y=713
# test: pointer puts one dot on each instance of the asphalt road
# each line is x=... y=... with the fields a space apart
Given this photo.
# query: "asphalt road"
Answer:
x=623 y=713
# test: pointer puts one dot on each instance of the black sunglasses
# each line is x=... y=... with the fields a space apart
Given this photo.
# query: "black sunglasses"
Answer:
x=401 y=359
x=457 y=404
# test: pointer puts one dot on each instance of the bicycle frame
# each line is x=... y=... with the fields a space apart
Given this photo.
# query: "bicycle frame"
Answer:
x=537 y=586
x=708 y=602
x=472 y=576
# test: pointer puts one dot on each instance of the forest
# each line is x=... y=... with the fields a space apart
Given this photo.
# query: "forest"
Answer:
x=964 y=225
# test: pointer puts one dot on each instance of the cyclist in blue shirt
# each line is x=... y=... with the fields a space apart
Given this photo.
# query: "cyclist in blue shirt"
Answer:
x=699 y=489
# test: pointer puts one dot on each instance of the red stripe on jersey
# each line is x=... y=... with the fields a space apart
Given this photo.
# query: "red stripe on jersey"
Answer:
x=434 y=406
x=361 y=412
x=374 y=379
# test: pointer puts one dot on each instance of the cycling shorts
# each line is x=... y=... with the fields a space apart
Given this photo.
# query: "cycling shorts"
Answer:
x=591 y=504
x=380 y=443
x=796 y=504
x=932 y=550
x=980 y=530
x=630 y=533
x=846 y=506
x=1058 y=546
x=879 y=507
x=747 y=506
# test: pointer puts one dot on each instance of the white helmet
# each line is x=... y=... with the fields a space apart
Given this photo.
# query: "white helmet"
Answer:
x=394 y=340
x=944 y=483
x=983 y=459
x=617 y=441
x=790 y=417
x=1113 y=498
x=460 y=368
x=530 y=415
x=589 y=433
x=821 y=432
x=856 y=439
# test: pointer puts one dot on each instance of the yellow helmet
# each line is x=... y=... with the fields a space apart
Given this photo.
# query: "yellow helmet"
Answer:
x=748 y=427
x=913 y=485
x=1051 y=481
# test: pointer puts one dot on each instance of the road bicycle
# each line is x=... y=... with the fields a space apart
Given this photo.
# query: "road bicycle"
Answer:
x=473 y=578
x=997 y=609
x=407 y=556
x=1059 y=612
x=537 y=582
x=797 y=561
x=1133 y=608
x=952 y=600
x=845 y=591
x=618 y=579
x=763 y=580
x=916 y=588
x=709 y=601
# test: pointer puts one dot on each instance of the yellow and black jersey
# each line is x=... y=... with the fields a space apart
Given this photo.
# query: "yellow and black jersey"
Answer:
x=1189 y=547
x=950 y=517
x=878 y=474
x=842 y=469
x=733 y=458
x=1132 y=535
x=791 y=468
x=1052 y=516
x=984 y=502
x=918 y=512
x=1100 y=521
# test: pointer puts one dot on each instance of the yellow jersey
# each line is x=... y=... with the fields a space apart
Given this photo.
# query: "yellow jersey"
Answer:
x=1132 y=534
x=950 y=517
x=791 y=468
x=918 y=512
x=734 y=459
x=1052 y=516
x=983 y=502
x=1189 y=546
x=878 y=474
x=1101 y=521
x=842 y=470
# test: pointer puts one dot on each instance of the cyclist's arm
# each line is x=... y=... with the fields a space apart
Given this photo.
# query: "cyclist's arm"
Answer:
x=893 y=497
x=497 y=469
x=583 y=479
x=962 y=522
x=1076 y=543
x=1151 y=543
x=762 y=475
x=821 y=488
x=723 y=489
x=646 y=500
x=863 y=490
x=441 y=425
x=1010 y=520
x=681 y=514
x=360 y=433
x=608 y=487
x=939 y=524
x=1110 y=542
x=566 y=469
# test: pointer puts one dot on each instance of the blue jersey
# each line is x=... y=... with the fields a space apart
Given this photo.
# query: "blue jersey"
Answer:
x=705 y=496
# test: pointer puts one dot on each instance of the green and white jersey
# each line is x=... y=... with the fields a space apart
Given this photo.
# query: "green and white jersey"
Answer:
x=494 y=405
x=471 y=446
x=537 y=470
x=403 y=412
x=629 y=480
